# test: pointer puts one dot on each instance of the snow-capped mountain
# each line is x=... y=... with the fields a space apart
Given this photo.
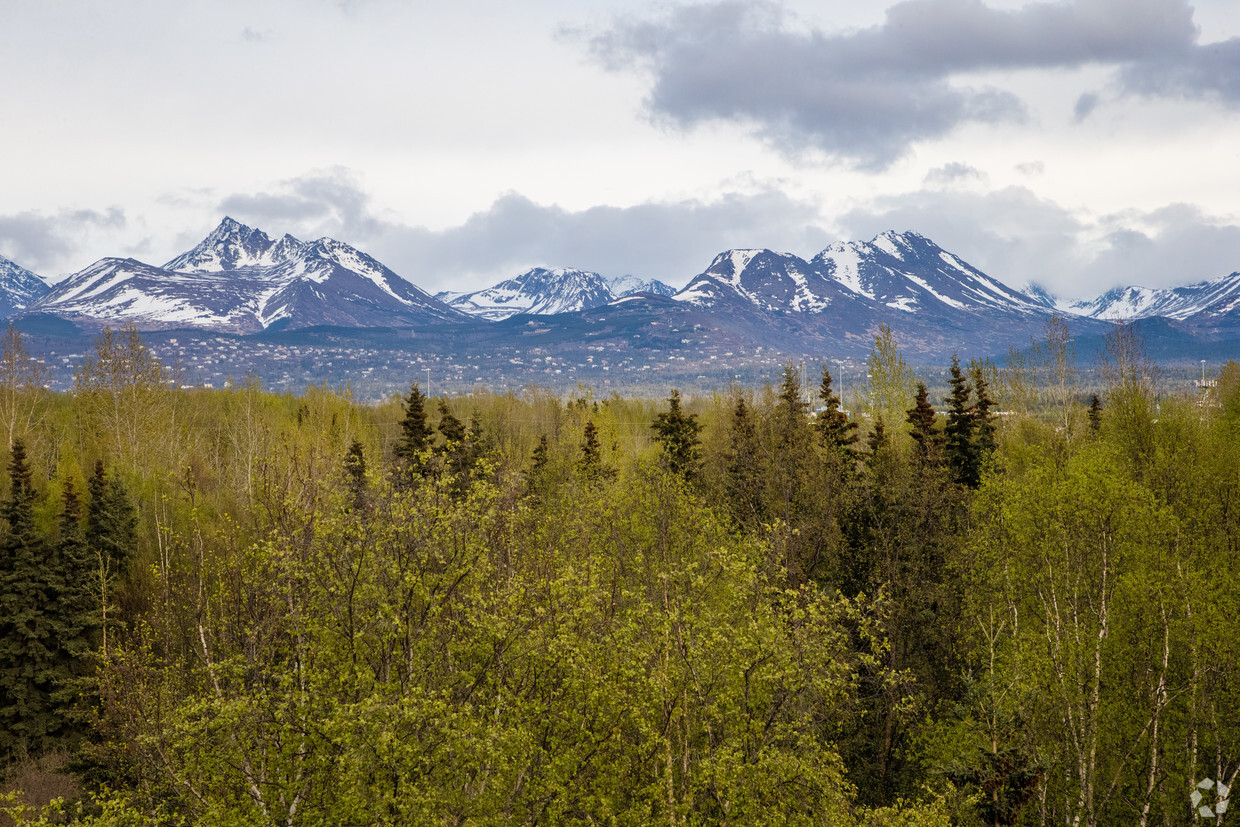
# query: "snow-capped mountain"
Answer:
x=1215 y=297
x=239 y=280
x=233 y=246
x=910 y=273
x=628 y=285
x=770 y=281
x=19 y=288
x=904 y=272
x=539 y=291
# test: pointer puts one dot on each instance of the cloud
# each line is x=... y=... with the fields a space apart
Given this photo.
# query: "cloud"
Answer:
x=252 y=35
x=1209 y=72
x=1017 y=237
x=867 y=96
x=323 y=202
x=44 y=242
x=668 y=240
x=1173 y=245
x=1085 y=106
x=953 y=174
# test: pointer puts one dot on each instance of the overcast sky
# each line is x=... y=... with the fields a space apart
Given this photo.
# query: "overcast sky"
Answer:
x=1079 y=144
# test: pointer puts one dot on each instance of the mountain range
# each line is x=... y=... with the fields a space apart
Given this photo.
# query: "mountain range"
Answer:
x=239 y=280
x=542 y=291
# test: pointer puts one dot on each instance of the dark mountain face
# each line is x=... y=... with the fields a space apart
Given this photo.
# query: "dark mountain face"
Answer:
x=936 y=302
x=241 y=281
x=19 y=288
x=539 y=291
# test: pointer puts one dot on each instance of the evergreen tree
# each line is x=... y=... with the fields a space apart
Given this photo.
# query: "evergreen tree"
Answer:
x=1095 y=413
x=836 y=429
x=590 y=464
x=415 y=433
x=111 y=521
x=921 y=416
x=790 y=409
x=878 y=439
x=541 y=455
x=962 y=453
x=745 y=468
x=450 y=427
x=355 y=469
x=677 y=433
x=983 y=416
x=76 y=615
x=27 y=633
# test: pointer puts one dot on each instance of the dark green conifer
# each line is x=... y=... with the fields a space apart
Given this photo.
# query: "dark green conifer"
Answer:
x=983 y=413
x=590 y=463
x=677 y=433
x=76 y=611
x=415 y=433
x=355 y=469
x=834 y=426
x=450 y=427
x=790 y=409
x=27 y=630
x=541 y=455
x=111 y=521
x=877 y=439
x=745 y=468
x=962 y=452
x=1095 y=413
x=921 y=416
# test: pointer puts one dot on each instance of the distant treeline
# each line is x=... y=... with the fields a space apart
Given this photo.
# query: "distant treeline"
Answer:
x=234 y=607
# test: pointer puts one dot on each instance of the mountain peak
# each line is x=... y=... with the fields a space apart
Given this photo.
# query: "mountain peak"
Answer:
x=232 y=246
x=537 y=291
x=19 y=287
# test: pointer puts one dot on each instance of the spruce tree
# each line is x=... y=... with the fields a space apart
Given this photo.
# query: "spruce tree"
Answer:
x=76 y=610
x=27 y=628
x=962 y=453
x=921 y=416
x=542 y=453
x=745 y=480
x=790 y=409
x=111 y=521
x=677 y=433
x=355 y=469
x=450 y=427
x=1095 y=413
x=834 y=426
x=415 y=433
x=877 y=439
x=983 y=415
x=590 y=463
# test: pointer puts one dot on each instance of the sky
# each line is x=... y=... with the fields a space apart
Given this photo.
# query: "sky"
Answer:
x=1080 y=144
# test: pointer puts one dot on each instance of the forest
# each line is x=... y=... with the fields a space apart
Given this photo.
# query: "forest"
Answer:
x=1012 y=604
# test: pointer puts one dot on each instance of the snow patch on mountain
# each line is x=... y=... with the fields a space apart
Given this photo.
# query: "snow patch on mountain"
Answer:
x=540 y=291
x=19 y=287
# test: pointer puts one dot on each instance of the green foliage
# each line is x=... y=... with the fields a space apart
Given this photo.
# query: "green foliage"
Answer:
x=834 y=426
x=552 y=611
x=677 y=434
x=927 y=439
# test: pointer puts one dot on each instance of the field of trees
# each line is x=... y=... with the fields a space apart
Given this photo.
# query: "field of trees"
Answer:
x=1012 y=605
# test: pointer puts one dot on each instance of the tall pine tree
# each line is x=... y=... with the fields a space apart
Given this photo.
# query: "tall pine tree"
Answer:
x=834 y=426
x=677 y=433
x=415 y=432
x=28 y=722
x=962 y=452
x=921 y=416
